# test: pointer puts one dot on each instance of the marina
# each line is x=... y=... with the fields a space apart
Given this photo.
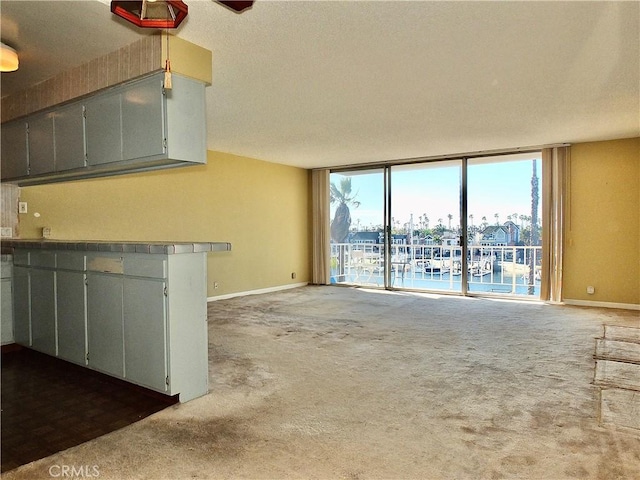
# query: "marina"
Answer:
x=499 y=270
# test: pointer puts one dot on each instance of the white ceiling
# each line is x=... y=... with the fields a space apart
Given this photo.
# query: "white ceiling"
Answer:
x=326 y=83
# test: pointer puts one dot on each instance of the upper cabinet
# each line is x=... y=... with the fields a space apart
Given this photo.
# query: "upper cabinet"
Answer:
x=70 y=147
x=133 y=127
x=103 y=120
x=41 y=147
x=15 y=161
x=143 y=120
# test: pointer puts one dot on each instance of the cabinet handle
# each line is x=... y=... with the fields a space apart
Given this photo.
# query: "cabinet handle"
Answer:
x=167 y=380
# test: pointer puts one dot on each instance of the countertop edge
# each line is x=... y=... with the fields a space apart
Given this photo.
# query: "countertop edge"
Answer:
x=167 y=248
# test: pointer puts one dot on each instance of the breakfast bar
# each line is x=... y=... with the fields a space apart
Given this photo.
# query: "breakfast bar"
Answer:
x=136 y=311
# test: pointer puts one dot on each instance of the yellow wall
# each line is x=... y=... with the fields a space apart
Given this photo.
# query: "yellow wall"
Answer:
x=187 y=58
x=261 y=208
x=602 y=244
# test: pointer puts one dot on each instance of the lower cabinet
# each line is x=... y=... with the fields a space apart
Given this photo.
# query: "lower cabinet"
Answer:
x=6 y=302
x=71 y=316
x=43 y=311
x=138 y=317
x=104 y=323
x=21 y=305
x=145 y=333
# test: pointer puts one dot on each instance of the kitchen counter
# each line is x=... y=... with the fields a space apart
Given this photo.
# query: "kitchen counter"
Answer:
x=132 y=310
x=167 y=248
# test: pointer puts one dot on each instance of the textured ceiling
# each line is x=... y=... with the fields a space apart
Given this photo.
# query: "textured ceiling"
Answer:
x=318 y=83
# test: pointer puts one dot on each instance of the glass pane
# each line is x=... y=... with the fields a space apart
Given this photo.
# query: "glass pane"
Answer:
x=357 y=218
x=425 y=211
x=504 y=222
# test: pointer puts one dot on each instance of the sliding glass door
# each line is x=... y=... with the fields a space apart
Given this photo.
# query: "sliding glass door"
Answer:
x=357 y=227
x=467 y=226
x=504 y=218
x=426 y=253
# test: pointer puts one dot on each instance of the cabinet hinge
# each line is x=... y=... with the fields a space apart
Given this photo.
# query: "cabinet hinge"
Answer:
x=84 y=111
x=165 y=291
x=164 y=92
x=87 y=356
x=164 y=143
x=166 y=380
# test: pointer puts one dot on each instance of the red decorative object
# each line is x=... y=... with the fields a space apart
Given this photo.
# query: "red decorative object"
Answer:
x=151 y=13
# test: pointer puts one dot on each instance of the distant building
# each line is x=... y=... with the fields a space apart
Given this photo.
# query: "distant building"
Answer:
x=500 y=235
x=450 y=239
x=514 y=232
x=366 y=239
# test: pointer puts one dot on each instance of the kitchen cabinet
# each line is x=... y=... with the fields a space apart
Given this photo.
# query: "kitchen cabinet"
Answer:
x=104 y=322
x=21 y=292
x=103 y=117
x=143 y=119
x=41 y=145
x=132 y=127
x=14 y=158
x=43 y=302
x=145 y=332
x=139 y=314
x=6 y=302
x=69 y=137
x=71 y=307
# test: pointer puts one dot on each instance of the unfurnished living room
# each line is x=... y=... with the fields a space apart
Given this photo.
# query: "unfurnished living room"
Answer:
x=311 y=239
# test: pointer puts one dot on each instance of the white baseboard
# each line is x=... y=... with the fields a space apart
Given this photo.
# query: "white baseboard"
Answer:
x=257 y=292
x=588 y=303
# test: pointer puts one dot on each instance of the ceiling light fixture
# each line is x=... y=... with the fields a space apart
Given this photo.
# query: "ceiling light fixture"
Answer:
x=151 y=13
x=8 y=59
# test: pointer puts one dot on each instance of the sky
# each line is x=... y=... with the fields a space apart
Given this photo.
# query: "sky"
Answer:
x=503 y=187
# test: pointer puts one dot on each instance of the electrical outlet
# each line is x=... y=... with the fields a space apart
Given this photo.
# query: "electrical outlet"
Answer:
x=46 y=232
x=591 y=290
x=22 y=207
x=293 y=275
x=215 y=285
x=6 y=232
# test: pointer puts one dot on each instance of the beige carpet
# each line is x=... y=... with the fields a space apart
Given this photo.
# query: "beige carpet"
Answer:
x=340 y=383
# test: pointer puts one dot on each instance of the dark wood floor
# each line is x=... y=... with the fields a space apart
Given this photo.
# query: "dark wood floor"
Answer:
x=49 y=405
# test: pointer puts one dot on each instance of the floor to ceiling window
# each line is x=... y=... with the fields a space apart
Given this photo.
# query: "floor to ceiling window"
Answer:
x=469 y=226
x=503 y=227
x=426 y=252
x=357 y=227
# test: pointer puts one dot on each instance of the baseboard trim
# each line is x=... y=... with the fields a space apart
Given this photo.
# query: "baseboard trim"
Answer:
x=257 y=292
x=589 y=303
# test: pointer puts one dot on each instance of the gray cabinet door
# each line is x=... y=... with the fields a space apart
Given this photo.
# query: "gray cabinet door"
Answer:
x=143 y=119
x=145 y=332
x=69 y=137
x=103 y=129
x=71 y=305
x=104 y=323
x=15 y=162
x=21 y=306
x=43 y=310
x=41 y=150
x=6 y=312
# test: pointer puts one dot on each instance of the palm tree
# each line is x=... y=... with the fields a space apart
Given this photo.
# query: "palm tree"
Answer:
x=450 y=217
x=342 y=218
x=497 y=215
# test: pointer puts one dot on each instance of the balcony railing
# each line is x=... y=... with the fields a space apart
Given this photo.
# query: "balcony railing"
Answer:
x=513 y=270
